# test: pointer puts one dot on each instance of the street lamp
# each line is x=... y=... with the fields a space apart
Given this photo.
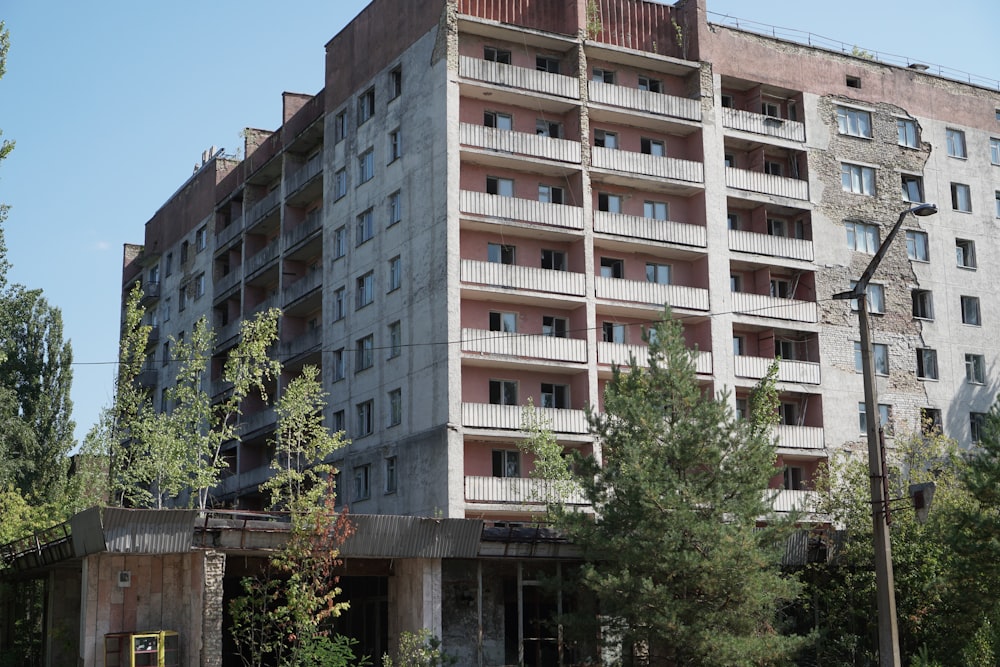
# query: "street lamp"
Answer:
x=888 y=635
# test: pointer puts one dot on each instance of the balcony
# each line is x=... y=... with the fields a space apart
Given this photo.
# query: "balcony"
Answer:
x=618 y=354
x=310 y=282
x=297 y=180
x=785 y=500
x=756 y=181
x=509 y=276
x=154 y=335
x=304 y=230
x=305 y=342
x=517 y=490
x=755 y=368
x=678 y=296
x=521 y=210
x=249 y=480
x=800 y=437
x=511 y=76
x=549 y=348
x=643 y=100
x=631 y=162
x=747 y=121
x=666 y=231
x=771 y=246
x=509 y=417
x=762 y=305
x=261 y=260
x=227 y=333
x=519 y=143
x=150 y=292
x=229 y=232
x=229 y=281
x=148 y=377
x=256 y=421
x=263 y=207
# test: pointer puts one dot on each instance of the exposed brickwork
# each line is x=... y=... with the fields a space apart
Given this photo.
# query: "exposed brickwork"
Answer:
x=212 y=610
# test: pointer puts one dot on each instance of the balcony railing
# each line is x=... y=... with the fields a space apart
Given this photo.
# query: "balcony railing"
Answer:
x=648 y=165
x=229 y=232
x=308 y=227
x=647 y=228
x=805 y=372
x=308 y=172
x=799 y=437
x=304 y=342
x=310 y=282
x=643 y=100
x=522 y=210
x=250 y=479
x=226 y=333
x=678 y=296
x=148 y=377
x=518 y=77
x=786 y=500
x=772 y=246
x=509 y=417
x=262 y=259
x=619 y=354
x=518 y=490
x=230 y=280
x=747 y=121
x=150 y=291
x=550 y=348
x=519 y=143
x=510 y=276
x=257 y=420
x=263 y=207
x=756 y=181
x=762 y=305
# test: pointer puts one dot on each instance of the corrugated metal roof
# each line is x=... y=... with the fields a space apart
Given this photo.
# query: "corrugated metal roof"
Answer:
x=87 y=532
x=387 y=536
x=148 y=531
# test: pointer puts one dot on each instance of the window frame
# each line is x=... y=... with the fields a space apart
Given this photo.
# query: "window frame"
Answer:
x=907 y=133
x=965 y=254
x=340 y=184
x=364 y=353
x=365 y=412
x=503 y=388
x=340 y=126
x=971 y=313
x=654 y=207
x=975 y=368
x=364 y=227
x=497 y=185
x=395 y=339
x=649 y=84
x=395 y=274
x=366 y=166
x=654 y=271
x=395 y=82
x=497 y=55
x=501 y=321
x=961 y=198
x=863 y=176
x=880 y=358
x=365 y=295
x=491 y=119
x=554 y=260
x=917 y=245
x=854 y=122
x=339 y=304
x=395 y=400
x=549 y=194
x=602 y=139
x=870 y=237
x=366 y=106
x=554 y=395
x=395 y=145
x=955 y=141
x=927 y=363
x=909 y=182
x=395 y=200
x=615 y=267
x=501 y=253
x=390 y=470
x=922 y=304
x=604 y=202
x=362 y=481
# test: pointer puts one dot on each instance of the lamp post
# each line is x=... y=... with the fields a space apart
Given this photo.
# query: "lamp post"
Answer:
x=888 y=634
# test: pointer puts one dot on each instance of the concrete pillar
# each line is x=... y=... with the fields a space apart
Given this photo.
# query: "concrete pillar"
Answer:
x=414 y=598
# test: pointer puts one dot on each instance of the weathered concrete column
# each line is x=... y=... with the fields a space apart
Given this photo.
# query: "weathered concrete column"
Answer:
x=414 y=598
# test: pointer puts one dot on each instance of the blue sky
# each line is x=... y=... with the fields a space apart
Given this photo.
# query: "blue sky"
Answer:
x=111 y=104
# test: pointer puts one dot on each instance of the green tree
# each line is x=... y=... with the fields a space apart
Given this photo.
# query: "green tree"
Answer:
x=672 y=551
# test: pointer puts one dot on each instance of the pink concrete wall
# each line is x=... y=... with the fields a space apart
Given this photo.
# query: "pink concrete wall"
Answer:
x=523 y=118
x=475 y=315
x=521 y=55
x=476 y=384
x=628 y=77
x=528 y=251
x=809 y=467
x=687 y=273
x=629 y=139
x=561 y=16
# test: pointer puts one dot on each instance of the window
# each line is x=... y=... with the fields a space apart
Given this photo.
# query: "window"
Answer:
x=884 y=415
x=906 y=130
x=965 y=253
x=365 y=227
x=395 y=274
x=735 y=282
x=927 y=367
x=650 y=85
x=506 y=322
x=653 y=147
x=506 y=463
x=339 y=421
x=554 y=327
x=366 y=166
x=547 y=64
x=733 y=221
x=613 y=332
x=956 y=143
x=961 y=197
x=168 y=264
x=605 y=139
x=773 y=168
x=975 y=368
x=788 y=414
x=777 y=227
x=551 y=194
x=857 y=178
x=656 y=210
x=658 y=273
x=184 y=252
x=500 y=121
x=880 y=355
x=166 y=309
x=390 y=474
x=366 y=106
x=366 y=290
x=362 y=480
x=862 y=237
x=364 y=353
x=916 y=246
x=201 y=238
x=395 y=145
x=997 y=194
x=995 y=151
x=555 y=396
x=338 y=365
x=788 y=350
x=366 y=422
x=739 y=345
x=609 y=203
x=395 y=83
x=339 y=242
x=395 y=208
x=970 y=310
x=852 y=81
x=781 y=288
x=875 y=297
x=612 y=268
x=199 y=286
x=503 y=187
x=503 y=392
x=730 y=160
x=182 y=298
x=913 y=188
x=770 y=109
x=602 y=75
x=493 y=54
x=727 y=101
x=165 y=359
x=339 y=127
x=395 y=339
x=977 y=420
x=339 y=184
x=792 y=478
x=554 y=260
x=930 y=421
x=395 y=407
x=923 y=304
x=742 y=408
x=548 y=128
x=499 y=253
x=854 y=122
x=339 y=309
